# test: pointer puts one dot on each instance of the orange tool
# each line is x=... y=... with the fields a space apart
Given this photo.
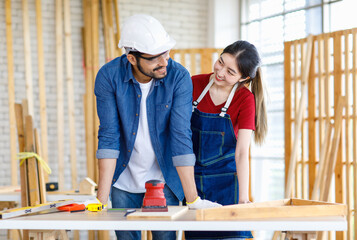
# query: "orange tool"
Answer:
x=74 y=207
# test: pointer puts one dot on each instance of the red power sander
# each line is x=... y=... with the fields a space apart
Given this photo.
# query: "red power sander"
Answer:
x=154 y=199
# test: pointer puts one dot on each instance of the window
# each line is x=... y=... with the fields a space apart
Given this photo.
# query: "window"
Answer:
x=267 y=24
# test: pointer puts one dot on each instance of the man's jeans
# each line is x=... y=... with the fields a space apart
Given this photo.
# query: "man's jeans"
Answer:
x=122 y=199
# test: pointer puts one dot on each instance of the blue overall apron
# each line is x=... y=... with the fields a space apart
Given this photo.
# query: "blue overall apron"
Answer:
x=214 y=144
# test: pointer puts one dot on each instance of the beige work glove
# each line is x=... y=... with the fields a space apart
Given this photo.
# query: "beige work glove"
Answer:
x=200 y=204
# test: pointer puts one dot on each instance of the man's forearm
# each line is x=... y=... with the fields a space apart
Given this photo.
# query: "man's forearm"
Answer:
x=106 y=172
x=186 y=174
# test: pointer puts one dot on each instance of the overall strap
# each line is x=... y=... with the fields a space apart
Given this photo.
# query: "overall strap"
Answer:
x=229 y=100
x=196 y=102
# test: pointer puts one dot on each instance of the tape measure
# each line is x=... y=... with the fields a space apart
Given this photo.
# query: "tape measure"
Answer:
x=95 y=207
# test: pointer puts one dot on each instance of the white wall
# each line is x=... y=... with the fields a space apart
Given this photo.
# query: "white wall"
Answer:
x=224 y=22
x=185 y=20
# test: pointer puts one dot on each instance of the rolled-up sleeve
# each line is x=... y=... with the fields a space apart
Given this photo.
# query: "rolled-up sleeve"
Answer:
x=109 y=128
x=180 y=122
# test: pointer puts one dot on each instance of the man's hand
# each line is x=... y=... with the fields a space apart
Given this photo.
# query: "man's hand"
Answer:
x=200 y=204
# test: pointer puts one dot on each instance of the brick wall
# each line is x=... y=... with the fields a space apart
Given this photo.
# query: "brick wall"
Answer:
x=185 y=20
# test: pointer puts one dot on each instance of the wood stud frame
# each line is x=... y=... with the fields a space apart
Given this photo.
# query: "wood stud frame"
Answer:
x=330 y=155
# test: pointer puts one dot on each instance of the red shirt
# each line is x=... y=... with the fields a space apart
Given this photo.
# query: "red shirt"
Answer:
x=241 y=109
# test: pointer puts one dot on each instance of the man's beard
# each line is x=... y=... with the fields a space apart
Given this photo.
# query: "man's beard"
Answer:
x=151 y=74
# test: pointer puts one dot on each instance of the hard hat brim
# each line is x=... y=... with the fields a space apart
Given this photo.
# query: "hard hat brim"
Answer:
x=167 y=46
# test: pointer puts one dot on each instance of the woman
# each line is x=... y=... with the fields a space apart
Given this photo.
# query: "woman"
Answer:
x=225 y=115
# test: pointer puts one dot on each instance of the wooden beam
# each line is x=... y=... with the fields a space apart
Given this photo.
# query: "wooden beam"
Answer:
x=32 y=173
x=355 y=124
x=27 y=52
x=95 y=61
x=117 y=23
x=298 y=119
x=311 y=128
x=323 y=164
x=321 y=106
x=11 y=93
x=21 y=144
x=302 y=181
x=105 y=30
x=334 y=148
x=60 y=93
x=89 y=92
x=192 y=62
x=41 y=179
x=347 y=131
x=112 y=47
x=337 y=74
x=41 y=84
x=70 y=92
x=287 y=104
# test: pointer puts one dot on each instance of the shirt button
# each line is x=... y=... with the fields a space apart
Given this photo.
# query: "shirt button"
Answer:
x=124 y=165
x=136 y=114
x=139 y=95
x=133 y=133
x=129 y=150
x=166 y=106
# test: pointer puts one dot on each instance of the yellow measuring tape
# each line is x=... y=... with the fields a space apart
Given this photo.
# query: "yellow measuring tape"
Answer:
x=26 y=155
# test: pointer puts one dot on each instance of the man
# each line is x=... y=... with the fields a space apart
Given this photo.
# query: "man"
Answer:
x=144 y=102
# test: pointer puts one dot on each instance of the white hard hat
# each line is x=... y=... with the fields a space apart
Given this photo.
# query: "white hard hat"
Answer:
x=145 y=34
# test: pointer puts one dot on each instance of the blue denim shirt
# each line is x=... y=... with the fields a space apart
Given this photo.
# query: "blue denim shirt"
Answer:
x=169 y=109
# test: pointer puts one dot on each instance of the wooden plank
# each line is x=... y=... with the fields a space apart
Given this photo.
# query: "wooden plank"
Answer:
x=287 y=104
x=311 y=136
x=300 y=208
x=11 y=93
x=112 y=44
x=183 y=58
x=327 y=75
x=21 y=144
x=41 y=179
x=15 y=212
x=206 y=61
x=41 y=84
x=95 y=59
x=297 y=75
x=302 y=183
x=323 y=164
x=60 y=93
x=117 y=23
x=173 y=213
x=25 y=195
x=321 y=106
x=9 y=189
x=334 y=148
x=192 y=62
x=89 y=98
x=347 y=133
x=337 y=73
x=105 y=30
x=298 y=119
x=27 y=53
x=32 y=173
x=354 y=90
x=70 y=92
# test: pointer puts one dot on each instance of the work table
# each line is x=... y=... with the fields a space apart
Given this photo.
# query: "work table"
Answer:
x=115 y=220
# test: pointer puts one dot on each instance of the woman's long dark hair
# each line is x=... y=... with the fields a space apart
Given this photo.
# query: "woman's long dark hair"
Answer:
x=248 y=62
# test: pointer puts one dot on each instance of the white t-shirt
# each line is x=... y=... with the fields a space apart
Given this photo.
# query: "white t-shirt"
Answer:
x=143 y=165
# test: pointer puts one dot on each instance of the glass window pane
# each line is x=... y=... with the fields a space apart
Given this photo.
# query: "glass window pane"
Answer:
x=271 y=7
